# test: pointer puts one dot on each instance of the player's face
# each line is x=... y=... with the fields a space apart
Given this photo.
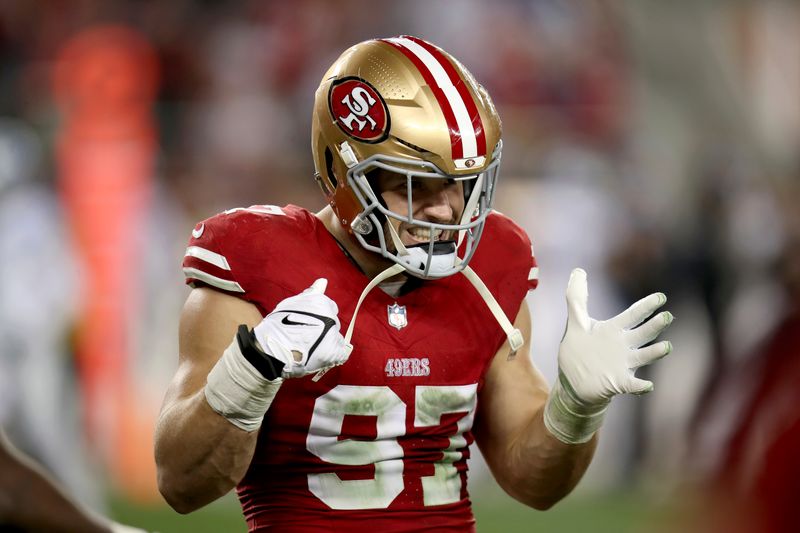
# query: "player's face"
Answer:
x=433 y=200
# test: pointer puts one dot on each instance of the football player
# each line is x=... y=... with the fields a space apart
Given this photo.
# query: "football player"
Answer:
x=335 y=367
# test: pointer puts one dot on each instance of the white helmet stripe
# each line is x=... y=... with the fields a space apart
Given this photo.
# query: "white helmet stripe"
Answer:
x=453 y=97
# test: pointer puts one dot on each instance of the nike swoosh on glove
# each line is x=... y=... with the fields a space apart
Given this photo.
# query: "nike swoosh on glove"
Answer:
x=303 y=333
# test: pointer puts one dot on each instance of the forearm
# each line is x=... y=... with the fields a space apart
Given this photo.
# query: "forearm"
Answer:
x=596 y=361
x=540 y=469
x=539 y=441
x=208 y=428
x=206 y=434
x=28 y=500
x=200 y=455
x=549 y=456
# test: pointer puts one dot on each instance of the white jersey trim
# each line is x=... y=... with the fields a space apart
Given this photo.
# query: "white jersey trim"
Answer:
x=208 y=256
x=214 y=281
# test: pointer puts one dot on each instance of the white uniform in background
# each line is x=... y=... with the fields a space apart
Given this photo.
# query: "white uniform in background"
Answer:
x=39 y=290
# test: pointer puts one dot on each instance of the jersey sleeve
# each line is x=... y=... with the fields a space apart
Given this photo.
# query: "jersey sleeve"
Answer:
x=206 y=261
x=505 y=262
x=232 y=251
x=533 y=274
x=521 y=264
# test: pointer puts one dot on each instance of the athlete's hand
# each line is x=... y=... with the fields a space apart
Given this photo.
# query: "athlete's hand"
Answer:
x=598 y=359
x=302 y=332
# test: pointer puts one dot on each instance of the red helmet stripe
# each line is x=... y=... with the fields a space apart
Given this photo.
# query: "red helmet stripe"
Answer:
x=441 y=98
x=466 y=133
x=461 y=86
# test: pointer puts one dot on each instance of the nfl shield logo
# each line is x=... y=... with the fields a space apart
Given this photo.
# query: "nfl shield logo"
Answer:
x=397 y=316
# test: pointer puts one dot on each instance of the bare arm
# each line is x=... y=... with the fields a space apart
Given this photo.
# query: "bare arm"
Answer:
x=206 y=434
x=29 y=500
x=537 y=444
x=199 y=454
x=527 y=461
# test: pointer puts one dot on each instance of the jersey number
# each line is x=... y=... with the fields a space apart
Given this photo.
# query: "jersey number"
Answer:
x=385 y=452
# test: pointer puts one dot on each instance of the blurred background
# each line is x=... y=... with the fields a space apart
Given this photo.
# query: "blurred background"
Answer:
x=654 y=144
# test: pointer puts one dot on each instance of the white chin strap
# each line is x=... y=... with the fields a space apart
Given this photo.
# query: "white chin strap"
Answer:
x=386 y=274
x=514 y=335
x=469 y=209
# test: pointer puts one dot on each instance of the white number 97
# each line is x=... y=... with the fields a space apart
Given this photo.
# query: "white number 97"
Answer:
x=385 y=452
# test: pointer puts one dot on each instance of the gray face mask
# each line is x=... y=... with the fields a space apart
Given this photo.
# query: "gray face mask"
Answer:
x=428 y=260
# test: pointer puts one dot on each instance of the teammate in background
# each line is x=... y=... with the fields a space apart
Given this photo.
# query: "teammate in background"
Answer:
x=30 y=501
x=321 y=428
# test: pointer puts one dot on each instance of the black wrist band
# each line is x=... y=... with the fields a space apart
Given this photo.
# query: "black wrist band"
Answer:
x=269 y=367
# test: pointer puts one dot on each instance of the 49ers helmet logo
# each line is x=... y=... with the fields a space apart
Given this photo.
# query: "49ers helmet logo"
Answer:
x=359 y=110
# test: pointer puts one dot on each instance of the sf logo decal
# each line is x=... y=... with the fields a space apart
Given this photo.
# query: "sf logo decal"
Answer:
x=359 y=110
x=359 y=106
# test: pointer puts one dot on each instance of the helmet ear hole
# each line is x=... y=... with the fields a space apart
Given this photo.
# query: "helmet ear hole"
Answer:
x=329 y=168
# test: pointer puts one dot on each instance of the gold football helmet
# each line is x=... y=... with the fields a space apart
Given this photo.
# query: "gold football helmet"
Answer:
x=404 y=105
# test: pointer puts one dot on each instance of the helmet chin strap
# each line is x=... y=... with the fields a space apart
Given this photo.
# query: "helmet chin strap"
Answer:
x=515 y=339
x=398 y=244
x=472 y=203
x=514 y=335
x=388 y=273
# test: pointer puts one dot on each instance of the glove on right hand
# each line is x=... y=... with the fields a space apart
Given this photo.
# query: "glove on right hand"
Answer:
x=303 y=333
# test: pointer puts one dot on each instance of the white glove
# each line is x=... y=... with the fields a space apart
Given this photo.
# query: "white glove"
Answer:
x=596 y=360
x=303 y=333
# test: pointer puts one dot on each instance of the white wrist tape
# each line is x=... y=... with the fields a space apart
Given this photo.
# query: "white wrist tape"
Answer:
x=567 y=418
x=237 y=391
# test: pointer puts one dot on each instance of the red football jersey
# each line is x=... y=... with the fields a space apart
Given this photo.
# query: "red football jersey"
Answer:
x=383 y=440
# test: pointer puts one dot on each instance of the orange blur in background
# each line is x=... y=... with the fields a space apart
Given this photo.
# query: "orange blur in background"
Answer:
x=105 y=85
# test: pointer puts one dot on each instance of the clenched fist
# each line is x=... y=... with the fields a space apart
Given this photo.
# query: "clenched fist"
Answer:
x=302 y=333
